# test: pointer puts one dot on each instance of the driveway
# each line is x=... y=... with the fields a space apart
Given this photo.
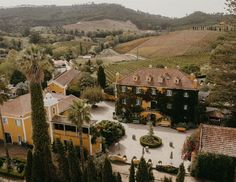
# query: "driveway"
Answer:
x=129 y=147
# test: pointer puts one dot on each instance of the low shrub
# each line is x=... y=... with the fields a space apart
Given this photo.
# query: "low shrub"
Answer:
x=150 y=141
x=111 y=131
x=20 y=168
x=1 y=163
x=167 y=169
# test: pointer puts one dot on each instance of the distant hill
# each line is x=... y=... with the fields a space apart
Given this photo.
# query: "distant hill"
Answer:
x=16 y=19
x=105 y=24
x=178 y=43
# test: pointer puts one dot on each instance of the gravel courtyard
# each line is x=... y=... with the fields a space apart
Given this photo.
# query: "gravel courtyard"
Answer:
x=129 y=147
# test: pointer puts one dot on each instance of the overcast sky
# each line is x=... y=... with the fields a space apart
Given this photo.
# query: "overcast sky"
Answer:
x=172 y=8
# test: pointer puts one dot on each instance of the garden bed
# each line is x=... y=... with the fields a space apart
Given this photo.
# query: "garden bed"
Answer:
x=150 y=141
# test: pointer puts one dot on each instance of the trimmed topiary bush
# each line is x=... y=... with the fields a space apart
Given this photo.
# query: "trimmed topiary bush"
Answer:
x=150 y=141
x=167 y=169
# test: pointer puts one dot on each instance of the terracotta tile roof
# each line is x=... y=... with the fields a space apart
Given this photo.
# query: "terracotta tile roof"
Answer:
x=17 y=107
x=66 y=77
x=65 y=103
x=219 y=140
x=160 y=77
x=21 y=106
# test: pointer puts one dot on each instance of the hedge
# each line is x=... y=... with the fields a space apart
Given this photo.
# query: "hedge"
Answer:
x=145 y=141
x=214 y=167
x=167 y=169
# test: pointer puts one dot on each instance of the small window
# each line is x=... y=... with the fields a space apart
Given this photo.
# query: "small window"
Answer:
x=138 y=102
x=124 y=101
x=70 y=128
x=123 y=89
x=185 y=107
x=59 y=127
x=169 y=106
x=169 y=93
x=154 y=92
x=186 y=94
x=5 y=120
x=54 y=110
x=138 y=90
x=18 y=122
x=85 y=130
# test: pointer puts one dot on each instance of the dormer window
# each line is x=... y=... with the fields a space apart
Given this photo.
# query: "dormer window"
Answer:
x=154 y=92
x=177 y=81
x=135 y=78
x=149 y=78
x=186 y=95
x=123 y=89
x=138 y=90
x=167 y=76
x=169 y=93
x=160 y=79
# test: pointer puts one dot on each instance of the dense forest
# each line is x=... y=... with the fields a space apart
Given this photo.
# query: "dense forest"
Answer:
x=18 y=18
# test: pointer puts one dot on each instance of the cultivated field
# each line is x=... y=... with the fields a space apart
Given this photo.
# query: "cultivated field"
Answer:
x=105 y=24
x=127 y=67
x=186 y=42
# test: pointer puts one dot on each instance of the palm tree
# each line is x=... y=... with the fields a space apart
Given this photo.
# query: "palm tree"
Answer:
x=79 y=113
x=3 y=98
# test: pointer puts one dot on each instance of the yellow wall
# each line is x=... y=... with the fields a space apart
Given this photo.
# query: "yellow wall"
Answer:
x=71 y=136
x=14 y=130
x=52 y=87
x=145 y=104
x=28 y=130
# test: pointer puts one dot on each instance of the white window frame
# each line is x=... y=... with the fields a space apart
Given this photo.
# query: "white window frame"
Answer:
x=123 y=89
x=169 y=106
x=185 y=107
x=5 y=120
x=138 y=102
x=169 y=93
x=186 y=94
x=138 y=90
x=124 y=101
x=18 y=122
x=154 y=91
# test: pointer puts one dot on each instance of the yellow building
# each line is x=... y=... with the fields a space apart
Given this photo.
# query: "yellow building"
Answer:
x=61 y=82
x=16 y=117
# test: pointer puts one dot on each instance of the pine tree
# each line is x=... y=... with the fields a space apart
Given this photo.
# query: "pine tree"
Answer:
x=28 y=168
x=181 y=173
x=132 y=172
x=142 y=172
x=63 y=166
x=37 y=168
x=107 y=175
x=101 y=77
x=74 y=166
x=91 y=171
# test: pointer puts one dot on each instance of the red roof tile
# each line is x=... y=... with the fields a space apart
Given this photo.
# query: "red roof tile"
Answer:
x=160 y=77
x=219 y=140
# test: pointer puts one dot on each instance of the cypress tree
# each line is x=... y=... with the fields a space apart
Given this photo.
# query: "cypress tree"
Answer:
x=142 y=174
x=28 y=168
x=63 y=166
x=118 y=177
x=42 y=162
x=91 y=171
x=107 y=175
x=181 y=173
x=74 y=166
x=101 y=77
x=132 y=172
x=150 y=174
